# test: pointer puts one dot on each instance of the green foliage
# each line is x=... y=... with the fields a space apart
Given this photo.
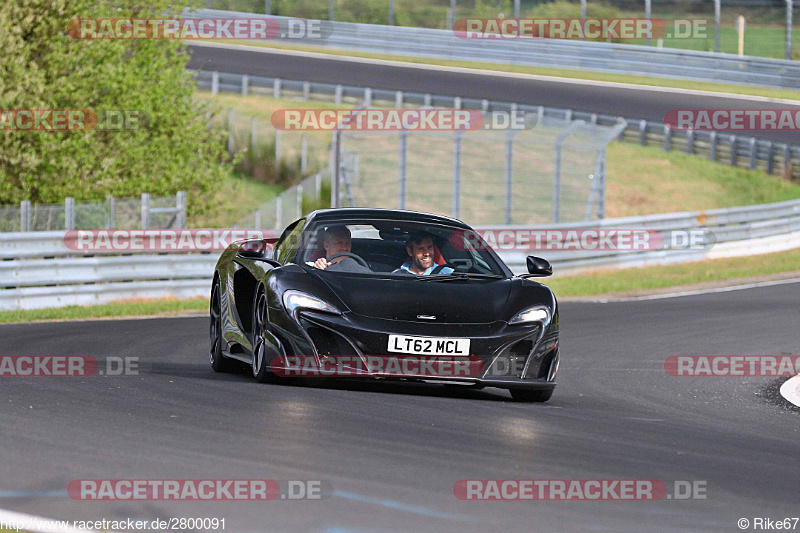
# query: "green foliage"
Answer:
x=564 y=9
x=169 y=149
x=492 y=9
x=310 y=203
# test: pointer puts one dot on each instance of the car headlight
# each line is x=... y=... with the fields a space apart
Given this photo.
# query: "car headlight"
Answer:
x=294 y=300
x=537 y=313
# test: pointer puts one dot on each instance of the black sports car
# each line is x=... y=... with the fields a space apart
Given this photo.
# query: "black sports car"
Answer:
x=384 y=294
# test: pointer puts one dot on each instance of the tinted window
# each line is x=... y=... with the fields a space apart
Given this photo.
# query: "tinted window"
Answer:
x=287 y=245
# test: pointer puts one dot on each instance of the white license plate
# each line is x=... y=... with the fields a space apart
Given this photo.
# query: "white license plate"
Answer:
x=428 y=345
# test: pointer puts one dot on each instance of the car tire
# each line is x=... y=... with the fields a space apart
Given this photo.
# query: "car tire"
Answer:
x=219 y=363
x=260 y=365
x=522 y=395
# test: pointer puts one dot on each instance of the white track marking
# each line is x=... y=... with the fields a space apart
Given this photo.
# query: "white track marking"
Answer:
x=495 y=73
x=791 y=390
x=688 y=293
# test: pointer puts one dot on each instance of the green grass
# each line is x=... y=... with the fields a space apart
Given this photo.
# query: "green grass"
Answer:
x=683 y=275
x=787 y=94
x=165 y=307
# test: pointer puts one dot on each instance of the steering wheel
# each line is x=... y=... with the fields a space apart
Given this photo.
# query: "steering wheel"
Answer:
x=357 y=258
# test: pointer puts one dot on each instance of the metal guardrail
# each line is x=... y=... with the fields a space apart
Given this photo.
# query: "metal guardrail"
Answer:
x=41 y=275
x=735 y=150
x=564 y=54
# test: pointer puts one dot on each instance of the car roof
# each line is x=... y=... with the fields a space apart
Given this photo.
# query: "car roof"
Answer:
x=367 y=213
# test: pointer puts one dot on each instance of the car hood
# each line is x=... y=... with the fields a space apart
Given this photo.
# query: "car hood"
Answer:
x=462 y=301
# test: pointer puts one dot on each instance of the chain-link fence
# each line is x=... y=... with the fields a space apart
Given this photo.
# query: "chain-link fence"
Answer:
x=129 y=213
x=314 y=192
x=553 y=171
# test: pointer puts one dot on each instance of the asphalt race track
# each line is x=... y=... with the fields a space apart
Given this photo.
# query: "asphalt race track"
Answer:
x=393 y=452
x=627 y=102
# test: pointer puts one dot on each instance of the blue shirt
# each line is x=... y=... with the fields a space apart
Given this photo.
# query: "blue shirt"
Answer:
x=407 y=266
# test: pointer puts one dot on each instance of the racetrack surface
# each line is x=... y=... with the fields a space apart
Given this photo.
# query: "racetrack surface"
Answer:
x=631 y=102
x=393 y=452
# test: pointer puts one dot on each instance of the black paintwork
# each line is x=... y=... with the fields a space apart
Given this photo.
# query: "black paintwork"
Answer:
x=373 y=306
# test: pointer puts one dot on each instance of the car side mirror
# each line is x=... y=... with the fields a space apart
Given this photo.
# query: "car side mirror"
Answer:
x=538 y=267
x=254 y=249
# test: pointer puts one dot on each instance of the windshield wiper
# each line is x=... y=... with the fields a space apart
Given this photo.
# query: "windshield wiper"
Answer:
x=453 y=276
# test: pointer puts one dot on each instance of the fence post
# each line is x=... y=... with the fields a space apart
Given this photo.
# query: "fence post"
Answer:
x=69 y=213
x=230 y=132
x=318 y=184
x=789 y=6
x=647 y=12
x=245 y=80
x=303 y=154
x=643 y=132
x=753 y=153
x=600 y=174
x=391 y=12
x=509 y=173
x=398 y=99
x=145 y=210
x=112 y=207
x=427 y=100
x=516 y=9
x=457 y=174
x=367 y=97
x=215 y=83
x=278 y=213
x=337 y=159
x=733 y=150
x=277 y=149
x=25 y=215
x=180 y=203
x=337 y=95
x=787 y=162
x=690 y=142
x=770 y=157
x=401 y=169
x=276 y=88
x=299 y=200
x=267 y=7
x=330 y=9
x=306 y=90
x=253 y=133
x=457 y=102
x=258 y=219
x=559 y=142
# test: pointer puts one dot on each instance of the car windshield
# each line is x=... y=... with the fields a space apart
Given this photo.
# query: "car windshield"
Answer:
x=383 y=245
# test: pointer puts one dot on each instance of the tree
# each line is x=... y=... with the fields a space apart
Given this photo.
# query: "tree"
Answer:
x=167 y=149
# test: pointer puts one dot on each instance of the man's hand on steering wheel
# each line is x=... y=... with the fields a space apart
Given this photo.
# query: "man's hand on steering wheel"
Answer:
x=324 y=262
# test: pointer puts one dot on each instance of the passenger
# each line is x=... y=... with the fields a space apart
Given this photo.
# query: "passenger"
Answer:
x=421 y=249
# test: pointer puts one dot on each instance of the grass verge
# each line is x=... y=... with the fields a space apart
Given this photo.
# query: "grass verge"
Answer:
x=127 y=309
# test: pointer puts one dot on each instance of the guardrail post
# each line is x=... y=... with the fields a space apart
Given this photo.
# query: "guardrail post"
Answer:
x=770 y=157
x=230 y=132
x=306 y=90
x=25 y=215
x=753 y=153
x=690 y=142
x=245 y=81
x=568 y=115
x=277 y=148
x=253 y=133
x=367 y=97
x=180 y=204
x=712 y=138
x=509 y=173
x=667 y=138
x=457 y=174
x=276 y=88
x=643 y=132
x=540 y=115
x=398 y=99
x=593 y=120
x=457 y=102
x=337 y=95
x=733 y=150
x=69 y=213
x=484 y=106
x=303 y=154
x=402 y=162
x=215 y=83
x=787 y=161
x=112 y=207
x=427 y=100
x=145 y=210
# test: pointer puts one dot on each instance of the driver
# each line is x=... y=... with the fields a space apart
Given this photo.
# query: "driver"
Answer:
x=420 y=247
x=336 y=240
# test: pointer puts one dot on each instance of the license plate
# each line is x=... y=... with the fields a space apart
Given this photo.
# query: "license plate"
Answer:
x=428 y=345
